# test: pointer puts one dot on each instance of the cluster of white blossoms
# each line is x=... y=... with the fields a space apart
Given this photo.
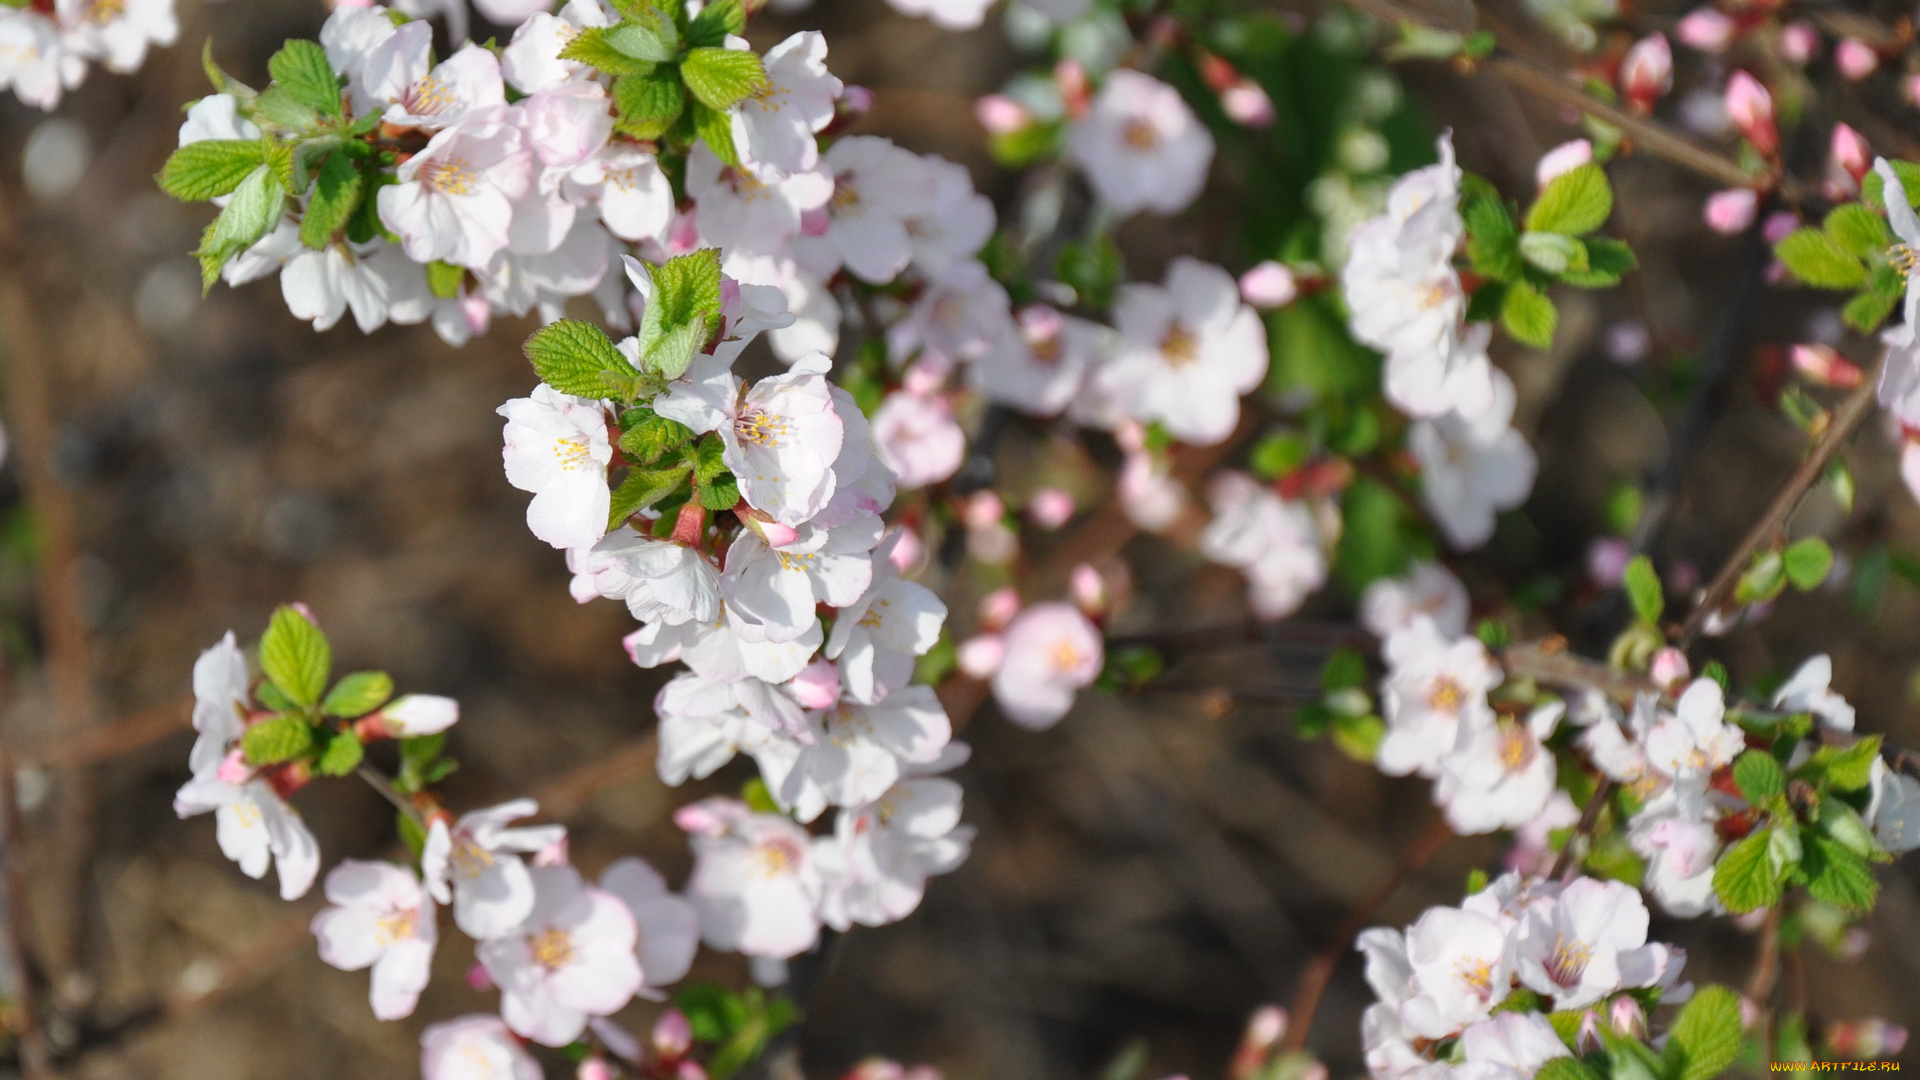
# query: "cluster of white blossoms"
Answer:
x=46 y=48
x=1580 y=946
x=1406 y=299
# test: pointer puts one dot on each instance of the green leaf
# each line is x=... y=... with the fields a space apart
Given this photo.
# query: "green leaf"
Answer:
x=1553 y=253
x=1644 y=589
x=1871 y=185
x=1575 y=202
x=647 y=105
x=203 y=170
x=1705 y=1038
x=411 y=834
x=1607 y=262
x=593 y=48
x=707 y=459
x=1807 y=562
x=1842 y=823
x=1745 y=878
x=336 y=195
x=716 y=21
x=1817 y=260
x=1492 y=239
x=1839 y=875
x=277 y=739
x=641 y=489
x=301 y=69
x=1858 y=230
x=296 y=656
x=722 y=493
x=1762 y=580
x=1758 y=776
x=1346 y=669
x=1844 y=768
x=270 y=696
x=574 y=357
x=1868 y=309
x=649 y=36
x=722 y=78
x=1565 y=1068
x=649 y=440
x=683 y=311
x=358 y=694
x=1528 y=315
x=252 y=213
x=281 y=109
x=444 y=279
x=223 y=83
x=715 y=128
x=342 y=755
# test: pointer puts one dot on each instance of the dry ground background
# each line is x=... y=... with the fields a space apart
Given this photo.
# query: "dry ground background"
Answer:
x=1153 y=868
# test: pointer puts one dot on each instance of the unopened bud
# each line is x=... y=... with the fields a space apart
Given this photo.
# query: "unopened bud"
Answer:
x=1855 y=59
x=817 y=686
x=1247 y=104
x=981 y=655
x=1751 y=107
x=907 y=550
x=1848 y=159
x=1799 y=42
x=594 y=1068
x=1706 y=30
x=479 y=978
x=1826 y=367
x=1075 y=92
x=1269 y=285
x=1089 y=591
x=672 y=1035
x=1669 y=667
x=1050 y=508
x=689 y=1069
x=1646 y=73
x=984 y=510
x=1587 y=1038
x=998 y=607
x=1265 y=1028
x=1626 y=1017
x=1730 y=212
x=419 y=714
x=1001 y=115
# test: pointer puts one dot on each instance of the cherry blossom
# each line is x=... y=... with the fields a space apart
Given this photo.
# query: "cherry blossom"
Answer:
x=256 y=827
x=1810 y=690
x=754 y=879
x=876 y=638
x=774 y=129
x=473 y=866
x=918 y=439
x=1587 y=942
x=781 y=436
x=1695 y=737
x=668 y=927
x=1141 y=147
x=1473 y=467
x=1052 y=652
x=1435 y=690
x=1501 y=775
x=398 y=79
x=877 y=187
x=855 y=752
x=380 y=918
x=1428 y=589
x=475 y=1048
x=882 y=852
x=1274 y=541
x=1188 y=351
x=556 y=446
x=571 y=959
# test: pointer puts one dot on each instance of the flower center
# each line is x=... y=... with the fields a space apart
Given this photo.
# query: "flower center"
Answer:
x=395 y=927
x=796 y=562
x=101 y=12
x=450 y=177
x=1140 y=134
x=1477 y=974
x=572 y=451
x=1431 y=297
x=1569 y=961
x=1064 y=656
x=1045 y=351
x=1180 y=347
x=1514 y=747
x=429 y=96
x=876 y=615
x=777 y=856
x=552 y=948
x=846 y=197
x=1447 y=695
x=759 y=428
x=470 y=859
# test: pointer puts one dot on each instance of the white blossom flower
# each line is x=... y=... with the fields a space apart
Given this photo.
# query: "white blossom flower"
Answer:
x=738 y=209
x=412 y=715
x=473 y=866
x=1435 y=690
x=36 y=61
x=572 y=958
x=1906 y=226
x=216 y=116
x=754 y=880
x=220 y=695
x=1501 y=775
x=1695 y=738
x=1509 y=1046
x=660 y=580
x=881 y=854
x=1043 y=364
x=1390 y=605
x=954 y=226
x=398 y=79
x=1187 y=352
x=947 y=14
x=351 y=34
x=1893 y=809
x=636 y=200
x=1274 y=542
x=877 y=186
x=1810 y=691
x=855 y=752
x=669 y=927
x=557 y=447
x=774 y=128
x=918 y=438
x=474 y=1048
x=1460 y=968
x=1140 y=146
x=959 y=316
x=771 y=591
x=704 y=722
x=1674 y=832
x=876 y=638
x=1472 y=468
x=531 y=61
x=255 y=826
x=454 y=199
x=380 y=918
x=781 y=436
x=1457 y=379
x=1587 y=942
x=1052 y=652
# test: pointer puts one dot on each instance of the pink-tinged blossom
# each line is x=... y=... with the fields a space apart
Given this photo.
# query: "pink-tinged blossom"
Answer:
x=1152 y=498
x=876 y=638
x=880 y=854
x=1751 y=108
x=256 y=827
x=220 y=697
x=1646 y=72
x=1473 y=467
x=1275 y=542
x=572 y=958
x=350 y=34
x=738 y=209
x=1050 y=507
x=1799 y=42
x=531 y=61
x=1501 y=775
x=557 y=447
x=475 y=1048
x=1855 y=59
x=956 y=223
x=1140 y=147
x=1436 y=688
x=774 y=128
x=853 y=753
x=877 y=187
x=454 y=199
x=1459 y=968
x=1390 y=605
x=754 y=881
x=669 y=928
x=918 y=438
x=1269 y=285
x=399 y=80
x=1731 y=211
x=1403 y=295
x=474 y=866
x=1052 y=652
x=1042 y=364
x=1188 y=350
x=509 y=12
x=660 y=580
x=1906 y=227
x=1695 y=738
x=1674 y=833
x=946 y=14
x=1848 y=159
x=781 y=437
x=1587 y=942
x=771 y=592
x=1705 y=29
x=704 y=722
x=381 y=918
x=636 y=201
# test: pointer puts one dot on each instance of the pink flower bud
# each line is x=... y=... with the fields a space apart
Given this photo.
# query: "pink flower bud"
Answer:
x=1646 y=72
x=855 y=101
x=1564 y=158
x=776 y=534
x=1854 y=59
x=1778 y=225
x=984 y=510
x=924 y=379
x=1269 y=285
x=672 y=1035
x=1627 y=1017
x=1089 y=591
x=1669 y=667
x=478 y=978
x=1607 y=561
x=1265 y=1028
x=998 y=607
x=594 y=1068
x=234 y=768
x=817 y=686
x=1315 y=1070
x=1587 y=1038
x=1730 y=212
x=1050 y=508
x=1001 y=115
x=1826 y=367
x=1751 y=107
x=476 y=310
x=1799 y=42
x=1131 y=435
x=1075 y=92
x=689 y=1069
x=981 y=655
x=1911 y=86
x=1848 y=159
x=907 y=550
x=1705 y=29
x=1893 y=1039
x=1246 y=104
x=554 y=854
x=1750 y=1013
x=683 y=236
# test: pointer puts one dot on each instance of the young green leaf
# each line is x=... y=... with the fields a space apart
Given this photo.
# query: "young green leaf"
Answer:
x=1817 y=260
x=716 y=21
x=296 y=656
x=1758 y=776
x=1868 y=309
x=1528 y=315
x=1858 y=230
x=1644 y=590
x=1807 y=563
x=722 y=78
x=1705 y=1038
x=1872 y=186
x=715 y=128
x=1839 y=875
x=212 y=167
x=279 y=108
x=1607 y=262
x=336 y=195
x=1553 y=253
x=301 y=69
x=358 y=694
x=1576 y=202
x=1745 y=878
x=683 y=311
x=649 y=440
x=1844 y=768
x=1565 y=1068
x=720 y=493
x=444 y=279
x=573 y=356
x=253 y=211
x=342 y=755
x=707 y=459
x=277 y=740
x=595 y=48
x=223 y=83
x=650 y=35
x=647 y=105
x=641 y=489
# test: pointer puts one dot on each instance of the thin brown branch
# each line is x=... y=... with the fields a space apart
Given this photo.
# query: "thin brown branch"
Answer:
x=1566 y=862
x=1319 y=970
x=1548 y=662
x=26 y=972
x=1840 y=429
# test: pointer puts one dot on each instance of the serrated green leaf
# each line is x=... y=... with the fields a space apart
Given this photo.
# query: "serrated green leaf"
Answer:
x=301 y=69
x=1705 y=1038
x=204 y=170
x=1807 y=563
x=1816 y=260
x=1839 y=875
x=717 y=20
x=273 y=700
x=1607 y=262
x=1576 y=202
x=572 y=356
x=706 y=459
x=1744 y=879
x=683 y=311
x=647 y=105
x=1844 y=768
x=279 y=108
x=277 y=739
x=253 y=212
x=1842 y=823
x=593 y=48
x=715 y=128
x=722 y=78
x=1565 y=1068
x=444 y=279
x=1528 y=315
x=296 y=655
x=1868 y=309
x=1644 y=590
x=641 y=489
x=653 y=437
x=336 y=195
x=223 y=83
x=342 y=755
x=1858 y=230
x=1872 y=186
x=1553 y=253
x=651 y=36
x=358 y=694
x=721 y=493
x=1758 y=776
